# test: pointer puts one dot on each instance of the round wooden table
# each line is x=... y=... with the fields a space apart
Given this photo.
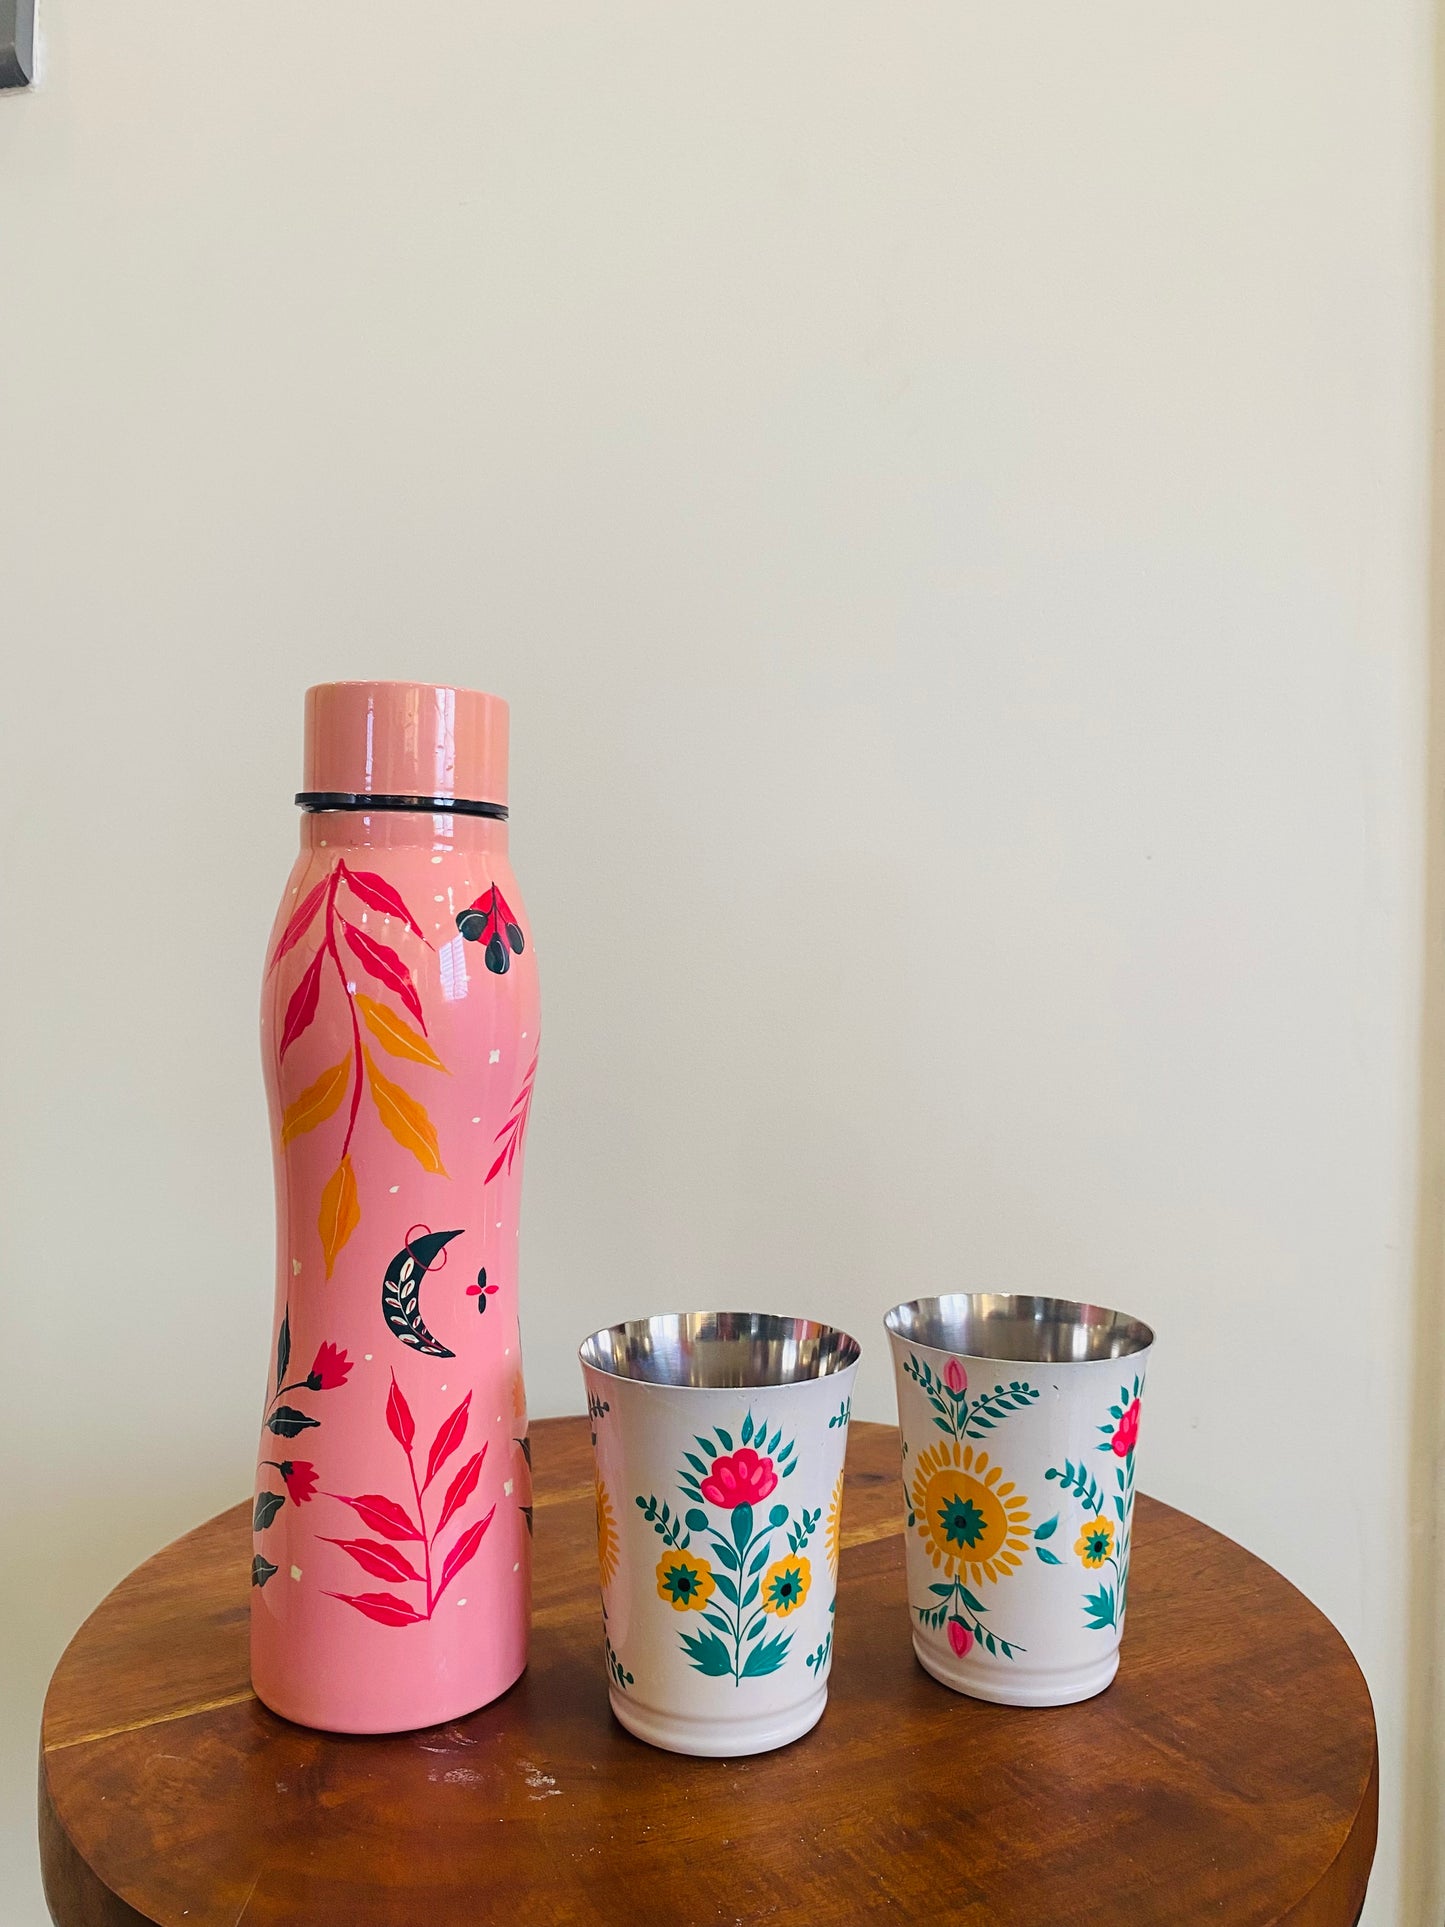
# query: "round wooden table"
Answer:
x=1227 y=1776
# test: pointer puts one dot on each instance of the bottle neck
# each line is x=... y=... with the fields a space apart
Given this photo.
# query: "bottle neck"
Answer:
x=433 y=830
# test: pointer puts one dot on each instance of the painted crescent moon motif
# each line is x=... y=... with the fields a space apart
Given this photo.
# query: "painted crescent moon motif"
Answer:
x=401 y=1292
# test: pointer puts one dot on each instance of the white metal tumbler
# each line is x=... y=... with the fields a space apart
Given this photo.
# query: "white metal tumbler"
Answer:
x=719 y=1441
x=1019 y=1420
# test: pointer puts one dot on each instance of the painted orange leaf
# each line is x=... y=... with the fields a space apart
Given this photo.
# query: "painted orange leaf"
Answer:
x=405 y=1119
x=340 y=1212
x=316 y=1102
x=393 y=1033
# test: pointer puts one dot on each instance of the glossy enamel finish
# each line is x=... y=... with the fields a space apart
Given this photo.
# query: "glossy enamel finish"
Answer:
x=392 y=1541
x=1019 y=1420
x=719 y=1440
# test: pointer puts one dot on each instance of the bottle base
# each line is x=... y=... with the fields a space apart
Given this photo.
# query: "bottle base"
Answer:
x=441 y=1712
x=719 y=1739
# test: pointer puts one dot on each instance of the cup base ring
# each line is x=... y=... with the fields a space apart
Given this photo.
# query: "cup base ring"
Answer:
x=1018 y=1688
x=719 y=1739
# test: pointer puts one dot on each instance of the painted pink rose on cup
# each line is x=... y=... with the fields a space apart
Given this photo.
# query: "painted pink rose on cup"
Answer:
x=960 y=1638
x=955 y=1377
x=1127 y=1435
x=740 y=1478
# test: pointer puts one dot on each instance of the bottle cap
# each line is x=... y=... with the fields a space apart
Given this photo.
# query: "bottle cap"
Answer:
x=405 y=740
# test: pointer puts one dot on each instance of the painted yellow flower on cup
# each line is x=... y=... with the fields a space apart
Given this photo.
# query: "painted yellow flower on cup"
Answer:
x=971 y=1519
x=833 y=1530
x=785 y=1585
x=1095 y=1542
x=684 y=1582
x=607 y=1547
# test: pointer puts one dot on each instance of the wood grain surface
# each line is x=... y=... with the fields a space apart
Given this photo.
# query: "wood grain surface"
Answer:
x=1227 y=1776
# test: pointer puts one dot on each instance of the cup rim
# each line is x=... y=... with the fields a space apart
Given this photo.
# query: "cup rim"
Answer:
x=1138 y=1336
x=844 y=1357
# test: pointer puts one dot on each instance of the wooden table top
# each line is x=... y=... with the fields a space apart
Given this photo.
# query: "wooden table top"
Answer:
x=1227 y=1776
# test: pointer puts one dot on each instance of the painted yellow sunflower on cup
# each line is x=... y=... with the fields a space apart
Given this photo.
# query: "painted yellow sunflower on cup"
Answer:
x=684 y=1582
x=607 y=1546
x=1095 y=1543
x=785 y=1585
x=833 y=1529
x=971 y=1519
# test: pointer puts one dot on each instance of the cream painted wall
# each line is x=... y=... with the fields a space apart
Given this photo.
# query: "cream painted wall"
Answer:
x=944 y=487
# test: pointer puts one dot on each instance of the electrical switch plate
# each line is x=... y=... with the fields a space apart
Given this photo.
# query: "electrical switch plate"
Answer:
x=17 y=43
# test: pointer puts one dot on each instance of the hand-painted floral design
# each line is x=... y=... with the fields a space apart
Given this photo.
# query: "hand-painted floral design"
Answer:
x=398 y=1528
x=1103 y=1541
x=482 y=1291
x=514 y=1131
x=954 y=1412
x=1095 y=1542
x=329 y=1371
x=331 y=1368
x=742 y=1478
x=833 y=1530
x=818 y=1658
x=299 y=1478
x=616 y=1671
x=1125 y=1435
x=785 y=1586
x=685 y=1582
x=490 y=922
x=974 y=1523
x=970 y=1517
x=607 y=1542
x=401 y=1113
x=741 y=1587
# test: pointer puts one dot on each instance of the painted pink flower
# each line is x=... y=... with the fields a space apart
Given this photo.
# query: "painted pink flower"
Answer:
x=960 y=1638
x=955 y=1377
x=300 y=1478
x=1128 y=1432
x=742 y=1478
x=330 y=1368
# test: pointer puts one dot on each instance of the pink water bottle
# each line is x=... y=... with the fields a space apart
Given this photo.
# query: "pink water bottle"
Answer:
x=391 y=1568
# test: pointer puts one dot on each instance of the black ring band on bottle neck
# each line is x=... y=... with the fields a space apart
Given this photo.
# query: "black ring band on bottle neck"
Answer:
x=314 y=801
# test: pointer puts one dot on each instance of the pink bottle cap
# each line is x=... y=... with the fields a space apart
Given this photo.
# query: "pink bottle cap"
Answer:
x=405 y=740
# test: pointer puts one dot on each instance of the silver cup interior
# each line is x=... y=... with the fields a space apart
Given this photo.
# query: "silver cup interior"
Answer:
x=1020 y=1331
x=720 y=1350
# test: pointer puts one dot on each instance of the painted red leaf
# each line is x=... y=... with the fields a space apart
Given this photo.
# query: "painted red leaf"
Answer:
x=463 y=1550
x=399 y=1418
x=382 y=1515
x=449 y=1436
x=377 y=894
x=386 y=967
x=501 y=1160
x=381 y=1561
x=299 y=924
x=462 y=1487
x=384 y=1607
x=302 y=1007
